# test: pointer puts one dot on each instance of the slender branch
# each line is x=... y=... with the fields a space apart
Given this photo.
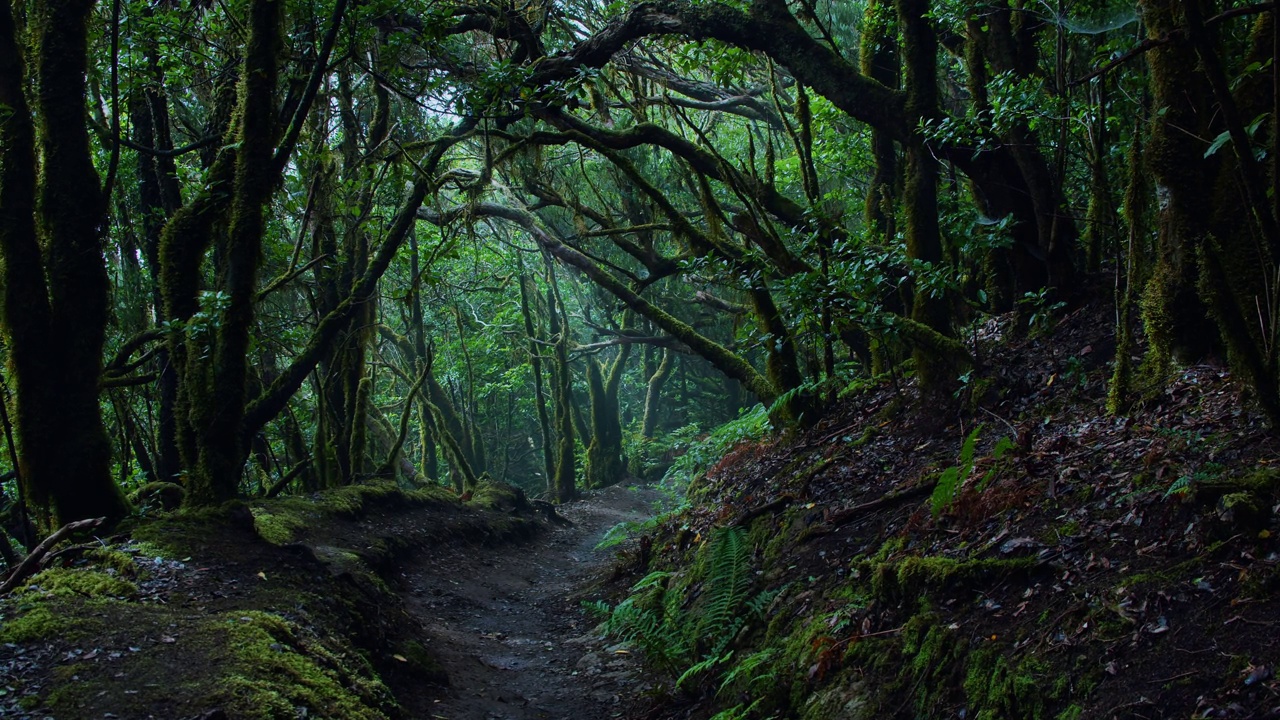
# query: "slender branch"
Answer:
x=120 y=363
x=1180 y=34
x=197 y=145
x=287 y=277
x=287 y=478
x=127 y=381
x=313 y=87
x=658 y=340
x=31 y=564
x=1135 y=51
x=113 y=165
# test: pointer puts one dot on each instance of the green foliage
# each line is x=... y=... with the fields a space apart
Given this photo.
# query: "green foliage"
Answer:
x=625 y=530
x=951 y=479
x=751 y=674
x=728 y=580
x=698 y=457
x=687 y=627
x=1040 y=308
x=1185 y=484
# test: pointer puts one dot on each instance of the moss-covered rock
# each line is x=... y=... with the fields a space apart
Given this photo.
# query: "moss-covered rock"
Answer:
x=421 y=663
x=83 y=583
x=494 y=495
x=40 y=620
x=158 y=496
x=915 y=576
x=274 y=672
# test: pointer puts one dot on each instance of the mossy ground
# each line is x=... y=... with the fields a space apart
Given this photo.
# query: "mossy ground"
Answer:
x=273 y=610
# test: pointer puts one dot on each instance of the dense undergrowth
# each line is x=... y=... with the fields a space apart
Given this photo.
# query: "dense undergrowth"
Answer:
x=1013 y=551
x=281 y=609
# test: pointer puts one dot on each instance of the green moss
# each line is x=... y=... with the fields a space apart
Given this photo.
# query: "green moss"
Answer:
x=1158 y=323
x=915 y=576
x=353 y=500
x=188 y=532
x=283 y=521
x=869 y=433
x=848 y=696
x=37 y=623
x=113 y=559
x=998 y=687
x=1263 y=482
x=430 y=495
x=273 y=672
x=158 y=496
x=498 y=495
x=84 y=583
x=280 y=527
x=933 y=655
x=422 y=663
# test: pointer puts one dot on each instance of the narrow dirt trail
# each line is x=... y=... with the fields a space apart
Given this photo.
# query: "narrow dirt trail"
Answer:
x=506 y=625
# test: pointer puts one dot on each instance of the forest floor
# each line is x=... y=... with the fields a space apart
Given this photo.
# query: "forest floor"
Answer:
x=1010 y=551
x=506 y=623
x=364 y=603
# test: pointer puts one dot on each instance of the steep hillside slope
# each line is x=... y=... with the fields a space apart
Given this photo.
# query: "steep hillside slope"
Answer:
x=1009 y=552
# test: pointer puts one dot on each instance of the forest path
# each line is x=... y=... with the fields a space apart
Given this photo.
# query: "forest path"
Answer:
x=506 y=624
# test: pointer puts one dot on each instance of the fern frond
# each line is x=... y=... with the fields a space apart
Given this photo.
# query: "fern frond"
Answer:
x=702 y=666
x=653 y=579
x=598 y=609
x=737 y=712
x=945 y=491
x=728 y=580
x=625 y=530
x=745 y=671
x=758 y=604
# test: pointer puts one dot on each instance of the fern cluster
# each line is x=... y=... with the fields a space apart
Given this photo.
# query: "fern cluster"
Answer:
x=626 y=529
x=701 y=455
x=689 y=633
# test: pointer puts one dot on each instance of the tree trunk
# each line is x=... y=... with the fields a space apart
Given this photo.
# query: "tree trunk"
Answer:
x=56 y=290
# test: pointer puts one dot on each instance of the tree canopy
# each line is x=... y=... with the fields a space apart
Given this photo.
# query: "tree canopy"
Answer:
x=265 y=246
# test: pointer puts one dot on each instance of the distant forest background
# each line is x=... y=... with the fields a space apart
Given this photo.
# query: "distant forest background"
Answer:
x=255 y=247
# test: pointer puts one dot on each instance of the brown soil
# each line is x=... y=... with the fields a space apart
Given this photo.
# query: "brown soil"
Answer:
x=506 y=624
x=489 y=595
x=1146 y=594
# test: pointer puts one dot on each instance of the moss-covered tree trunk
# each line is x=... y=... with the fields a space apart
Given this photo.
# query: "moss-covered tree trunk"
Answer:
x=159 y=197
x=1013 y=178
x=55 y=300
x=527 y=295
x=653 y=395
x=219 y=394
x=1214 y=275
x=1100 y=219
x=346 y=244
x=563 y=485
x=605 y=462
x=920 y=194
x=879 y=58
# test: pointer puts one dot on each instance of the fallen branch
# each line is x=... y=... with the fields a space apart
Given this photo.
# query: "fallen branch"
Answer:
x=769 y=507
x=283 y=482
x=31 y=564
x=848 y=515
